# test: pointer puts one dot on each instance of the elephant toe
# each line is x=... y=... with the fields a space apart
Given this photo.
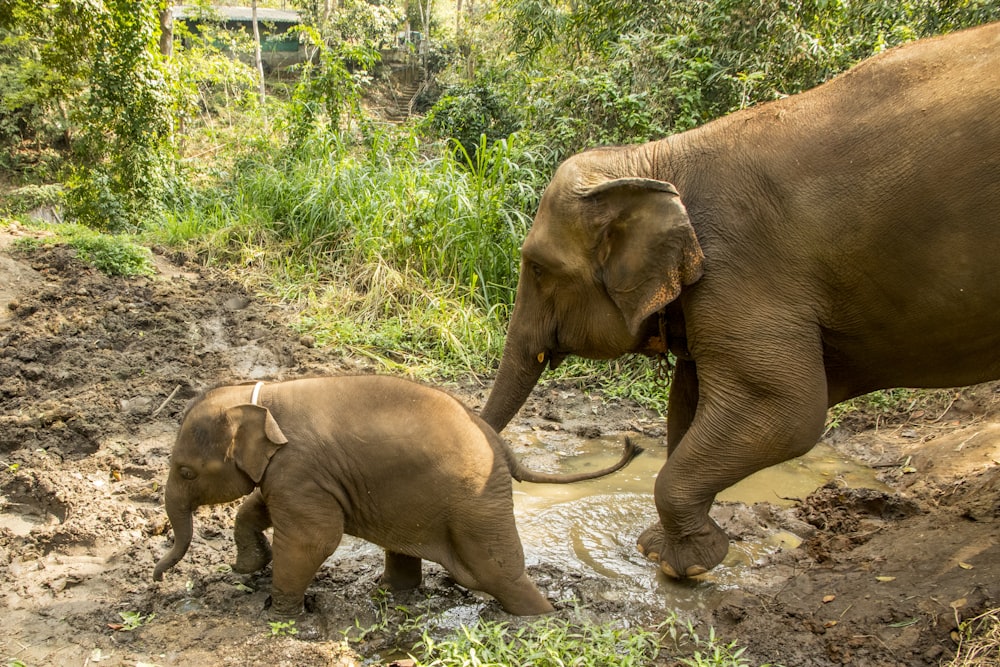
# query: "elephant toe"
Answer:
x=650 y=542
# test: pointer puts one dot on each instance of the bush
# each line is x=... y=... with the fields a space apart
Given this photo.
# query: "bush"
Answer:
x=469 y=113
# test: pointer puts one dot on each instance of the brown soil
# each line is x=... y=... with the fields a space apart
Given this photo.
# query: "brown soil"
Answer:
x=94 y=372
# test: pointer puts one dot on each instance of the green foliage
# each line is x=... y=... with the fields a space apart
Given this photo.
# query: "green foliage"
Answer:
x=978 y=640
x=331 y=87
x=556 y=642
x=283 y=628
x=113 y=255
x=91 y=67
x=422 y=248
x=371 y=22
x=30 y=197
x=548 y=642
x=123 y=119
x=132 y=620
x=204 y=80
x=470 y=114
x=645 y=68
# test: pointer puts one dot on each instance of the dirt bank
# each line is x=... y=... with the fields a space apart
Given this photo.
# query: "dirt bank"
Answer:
x=94 y=372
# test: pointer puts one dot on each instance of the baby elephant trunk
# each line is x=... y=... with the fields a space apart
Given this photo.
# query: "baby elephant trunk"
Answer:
x=522 y=474
x=180 y=514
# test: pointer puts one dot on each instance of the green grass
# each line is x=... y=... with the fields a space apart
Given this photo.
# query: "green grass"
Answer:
x=112 y=254
x=394 y=249
x=557 y=642
x=978 y=641
x=549 y=642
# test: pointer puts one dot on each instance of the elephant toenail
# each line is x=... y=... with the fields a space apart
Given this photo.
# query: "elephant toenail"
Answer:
x=695 y=570
x=653 y=556
x=669 y=571
x=641 y=549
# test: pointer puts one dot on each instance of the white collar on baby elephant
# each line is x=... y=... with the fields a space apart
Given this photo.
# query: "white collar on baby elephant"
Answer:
x=255 y=394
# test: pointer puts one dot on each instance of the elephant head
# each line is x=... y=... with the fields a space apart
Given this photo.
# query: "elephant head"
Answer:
x=608 y=249
x=222 y=450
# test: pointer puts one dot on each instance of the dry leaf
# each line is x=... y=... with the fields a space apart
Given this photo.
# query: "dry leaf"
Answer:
x=885 y=578
x=829 y=624
x=958 y=604
x=829 y=598
x=964 y=566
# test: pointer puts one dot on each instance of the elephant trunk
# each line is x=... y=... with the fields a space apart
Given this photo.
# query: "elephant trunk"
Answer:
x=516 y=378
x=180 y=513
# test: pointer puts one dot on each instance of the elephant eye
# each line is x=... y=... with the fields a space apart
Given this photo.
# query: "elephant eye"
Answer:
x=536 y=269
x=187 y=473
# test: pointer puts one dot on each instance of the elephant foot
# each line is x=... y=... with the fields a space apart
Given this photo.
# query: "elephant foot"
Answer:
x=688 y=556
x=286 y=608
x=253 y=553
x=303 y=625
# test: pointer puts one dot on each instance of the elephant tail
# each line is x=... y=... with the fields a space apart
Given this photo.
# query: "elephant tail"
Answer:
x=522 y=474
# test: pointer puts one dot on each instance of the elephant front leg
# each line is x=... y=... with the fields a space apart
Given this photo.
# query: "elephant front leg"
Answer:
x=402 y=572
x=749 y=428
x=299 y=551
x=707 y=544
x=253 y=552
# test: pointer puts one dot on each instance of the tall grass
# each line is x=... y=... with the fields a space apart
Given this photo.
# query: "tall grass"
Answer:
x=394 y=247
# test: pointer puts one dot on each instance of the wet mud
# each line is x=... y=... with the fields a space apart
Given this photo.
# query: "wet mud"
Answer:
x=873 y=561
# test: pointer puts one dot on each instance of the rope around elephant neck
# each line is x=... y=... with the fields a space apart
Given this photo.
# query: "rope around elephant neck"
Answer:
x=255 y=394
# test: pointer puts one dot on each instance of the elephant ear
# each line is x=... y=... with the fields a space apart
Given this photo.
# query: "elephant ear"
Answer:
x=647 y=247
x=256 y=437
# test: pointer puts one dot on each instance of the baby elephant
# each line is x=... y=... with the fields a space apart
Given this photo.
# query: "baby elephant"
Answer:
x=393 y=462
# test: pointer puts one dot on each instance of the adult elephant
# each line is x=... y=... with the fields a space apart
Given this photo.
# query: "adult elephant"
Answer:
x=790 y=256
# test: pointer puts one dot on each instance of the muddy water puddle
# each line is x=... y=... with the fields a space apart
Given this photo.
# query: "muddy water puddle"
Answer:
x=592 y=526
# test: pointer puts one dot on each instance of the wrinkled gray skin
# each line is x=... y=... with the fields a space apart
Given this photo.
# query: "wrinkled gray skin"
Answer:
x=396 y=463
x=791 y=255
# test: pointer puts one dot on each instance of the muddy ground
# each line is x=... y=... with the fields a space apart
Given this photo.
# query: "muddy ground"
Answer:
x=95 y=371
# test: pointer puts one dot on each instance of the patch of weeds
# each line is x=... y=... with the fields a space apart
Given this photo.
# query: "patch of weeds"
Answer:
x=113 y=255
x=132 y=620
x=978 y=641
x=545 y=642
x=283 y=628
x=694 y=650
x=709 y=652
x=876 y=406
x=383 y=618
x=30 y=197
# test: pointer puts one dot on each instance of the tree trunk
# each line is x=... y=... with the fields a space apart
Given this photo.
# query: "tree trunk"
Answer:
x=256 y=41
x=166 y=31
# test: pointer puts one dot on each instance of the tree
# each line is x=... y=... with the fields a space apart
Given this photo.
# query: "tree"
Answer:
x=256 y=50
